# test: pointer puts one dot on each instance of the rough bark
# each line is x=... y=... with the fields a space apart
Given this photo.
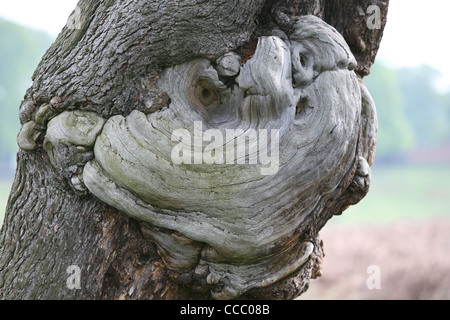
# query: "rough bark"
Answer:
x=110 y=66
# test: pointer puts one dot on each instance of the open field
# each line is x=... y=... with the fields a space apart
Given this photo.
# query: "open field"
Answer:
x=402 y=192
x=412 y=260
x=402 y=227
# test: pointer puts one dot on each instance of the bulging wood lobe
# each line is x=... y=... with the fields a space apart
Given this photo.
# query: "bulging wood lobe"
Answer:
x=231 y=218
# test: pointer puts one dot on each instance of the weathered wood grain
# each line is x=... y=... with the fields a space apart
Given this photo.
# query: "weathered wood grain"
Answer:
x=131 y=64
x=241 y=218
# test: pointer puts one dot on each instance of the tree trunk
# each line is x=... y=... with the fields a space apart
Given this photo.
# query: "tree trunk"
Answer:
x=112 y=62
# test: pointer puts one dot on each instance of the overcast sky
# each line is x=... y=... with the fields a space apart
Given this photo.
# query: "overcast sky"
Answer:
x=417 y=31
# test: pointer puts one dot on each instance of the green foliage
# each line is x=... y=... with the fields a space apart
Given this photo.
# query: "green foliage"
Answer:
x=5 y=188
x=411 y=112
x=425 y=108
x=395 y=134
x=21 y=49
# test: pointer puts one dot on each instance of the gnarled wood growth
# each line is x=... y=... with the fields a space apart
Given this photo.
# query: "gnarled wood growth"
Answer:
x=227 y=150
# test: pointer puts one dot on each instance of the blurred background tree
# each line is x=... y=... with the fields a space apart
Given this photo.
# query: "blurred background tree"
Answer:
x=21 y=49
x=412 y=113
x=426 y=110
x=395 y=135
